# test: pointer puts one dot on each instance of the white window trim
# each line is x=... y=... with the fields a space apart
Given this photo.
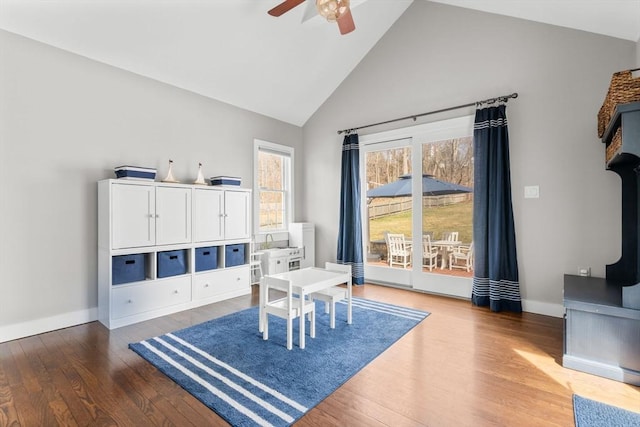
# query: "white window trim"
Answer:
x=289 y=185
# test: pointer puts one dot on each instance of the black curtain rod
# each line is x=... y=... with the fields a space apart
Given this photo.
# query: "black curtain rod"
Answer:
x=503 y=98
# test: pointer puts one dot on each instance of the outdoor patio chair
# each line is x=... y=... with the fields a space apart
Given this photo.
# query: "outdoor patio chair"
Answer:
x=287 y=308
x=333 y=294
x=399 y=252
x=462 y=257
x=451 y=236
x=429 y=253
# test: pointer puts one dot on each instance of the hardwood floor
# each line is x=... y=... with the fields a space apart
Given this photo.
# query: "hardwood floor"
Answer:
x=462 y=366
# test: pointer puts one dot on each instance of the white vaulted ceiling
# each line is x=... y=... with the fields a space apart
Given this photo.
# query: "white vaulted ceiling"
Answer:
x=232 y=51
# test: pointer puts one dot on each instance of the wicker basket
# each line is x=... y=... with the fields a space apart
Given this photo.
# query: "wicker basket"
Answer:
x=614 y=145
x=622 y=90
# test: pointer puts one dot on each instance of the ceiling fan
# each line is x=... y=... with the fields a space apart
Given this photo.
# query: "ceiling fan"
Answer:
x=333 y=10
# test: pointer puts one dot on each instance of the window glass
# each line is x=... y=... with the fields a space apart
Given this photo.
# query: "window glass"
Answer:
x=447 y=202
x=273 y=186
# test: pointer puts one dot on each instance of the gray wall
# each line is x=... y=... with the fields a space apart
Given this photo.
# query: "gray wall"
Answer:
x=437 y=56
x=638 y=54
x=65 y=123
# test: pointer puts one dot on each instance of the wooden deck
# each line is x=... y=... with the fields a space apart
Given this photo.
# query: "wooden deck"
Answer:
x=453 y=272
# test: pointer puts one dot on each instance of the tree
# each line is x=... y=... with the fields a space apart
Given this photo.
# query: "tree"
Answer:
x=450 y=160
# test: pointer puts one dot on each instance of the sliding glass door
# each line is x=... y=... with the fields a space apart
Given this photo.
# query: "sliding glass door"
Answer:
x=417 y=206
x=388 y=210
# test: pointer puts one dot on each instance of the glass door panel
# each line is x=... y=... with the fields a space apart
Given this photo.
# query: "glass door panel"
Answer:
x=388 y=218
x=447 y=216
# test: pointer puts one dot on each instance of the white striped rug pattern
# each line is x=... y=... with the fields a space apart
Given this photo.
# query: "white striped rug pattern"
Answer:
x=246 y=394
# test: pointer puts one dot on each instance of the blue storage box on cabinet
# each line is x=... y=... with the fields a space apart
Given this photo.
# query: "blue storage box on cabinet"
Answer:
x=234 y=255
x=127 y=268
x=206 y=258
x=225 y=180
x=172 y=263
x=135 y=172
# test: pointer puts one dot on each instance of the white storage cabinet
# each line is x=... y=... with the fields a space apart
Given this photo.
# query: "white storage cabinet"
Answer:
x=139 y=219
x=145 y=215
x=221 y=214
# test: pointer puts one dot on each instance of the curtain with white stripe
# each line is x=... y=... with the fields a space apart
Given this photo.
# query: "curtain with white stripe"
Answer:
x=495 y=280
x=350 y=232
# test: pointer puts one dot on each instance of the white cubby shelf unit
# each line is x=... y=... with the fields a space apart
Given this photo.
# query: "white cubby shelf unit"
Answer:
x=164 y=248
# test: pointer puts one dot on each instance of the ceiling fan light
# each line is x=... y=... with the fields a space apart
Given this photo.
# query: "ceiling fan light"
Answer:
x=331 y=10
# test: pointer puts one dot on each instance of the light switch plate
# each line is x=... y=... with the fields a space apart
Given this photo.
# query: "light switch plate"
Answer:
x=531 y=192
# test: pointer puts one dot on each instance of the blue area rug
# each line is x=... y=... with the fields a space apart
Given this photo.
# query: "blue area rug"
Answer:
x=589 y=413
x=227 y=365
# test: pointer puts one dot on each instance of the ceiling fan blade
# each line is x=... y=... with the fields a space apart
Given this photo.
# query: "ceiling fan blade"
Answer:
x=345 y=23
x=284 y=7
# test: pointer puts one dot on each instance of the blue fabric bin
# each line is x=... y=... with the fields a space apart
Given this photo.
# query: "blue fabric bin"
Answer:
x=172 y=263
x=234 y=255
x=206 y=258
x=127 y=268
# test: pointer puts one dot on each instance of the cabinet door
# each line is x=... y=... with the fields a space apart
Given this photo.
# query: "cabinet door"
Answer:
x=277 y=265
x=271 y=268
x=236 y=215
x=173 y=215
x=133 y=215
x=283 y=266
x=208 y=215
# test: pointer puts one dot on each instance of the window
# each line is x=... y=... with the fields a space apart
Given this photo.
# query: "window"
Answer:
x=273 y=186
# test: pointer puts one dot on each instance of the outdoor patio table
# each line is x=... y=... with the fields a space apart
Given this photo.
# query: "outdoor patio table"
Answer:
x=306 y=281
x=444 y=246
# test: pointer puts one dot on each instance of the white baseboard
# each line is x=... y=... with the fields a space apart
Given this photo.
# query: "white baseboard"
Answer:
x=47 y=324
x=548 y=309
x=530 y=306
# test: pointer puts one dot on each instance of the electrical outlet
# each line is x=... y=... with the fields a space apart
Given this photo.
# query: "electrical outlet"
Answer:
x=584 y=271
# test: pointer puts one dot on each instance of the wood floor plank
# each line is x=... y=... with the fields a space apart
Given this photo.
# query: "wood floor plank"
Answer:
x=155 y=407
x=33 y=348
x=8 y=412
x=120 y=399
x=347 y=402
x=69 y=388
x=26 y=411
x=36 y=382
x=462 y=366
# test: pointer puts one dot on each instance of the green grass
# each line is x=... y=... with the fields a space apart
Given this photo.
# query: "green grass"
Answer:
x=457 y=217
